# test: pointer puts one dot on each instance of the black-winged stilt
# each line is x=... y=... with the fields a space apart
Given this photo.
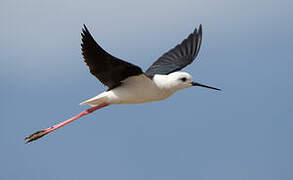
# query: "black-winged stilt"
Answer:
x=127 y=83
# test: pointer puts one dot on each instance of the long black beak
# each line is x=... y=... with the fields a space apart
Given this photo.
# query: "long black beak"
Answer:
x=201 y=85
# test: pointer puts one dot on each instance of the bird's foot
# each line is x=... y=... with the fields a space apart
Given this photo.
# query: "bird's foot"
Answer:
x=35 y=136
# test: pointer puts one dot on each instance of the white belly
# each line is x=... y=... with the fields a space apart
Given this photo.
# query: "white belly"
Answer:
x=137 y=89
x=134 y=90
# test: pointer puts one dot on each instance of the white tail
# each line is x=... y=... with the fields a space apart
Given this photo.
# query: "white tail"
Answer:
x=95 y=101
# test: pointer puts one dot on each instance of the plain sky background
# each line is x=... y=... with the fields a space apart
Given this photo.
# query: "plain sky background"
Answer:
x=241 y=133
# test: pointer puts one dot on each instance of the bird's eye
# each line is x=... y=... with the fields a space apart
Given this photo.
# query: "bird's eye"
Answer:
x=183 y=79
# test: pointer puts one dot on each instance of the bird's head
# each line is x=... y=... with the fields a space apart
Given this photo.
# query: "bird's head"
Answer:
x=180 y=80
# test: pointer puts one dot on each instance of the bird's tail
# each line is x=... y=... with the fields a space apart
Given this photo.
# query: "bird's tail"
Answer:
x=95 y=101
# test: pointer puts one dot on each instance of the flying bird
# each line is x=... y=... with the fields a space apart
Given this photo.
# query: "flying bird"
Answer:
x=127 y=83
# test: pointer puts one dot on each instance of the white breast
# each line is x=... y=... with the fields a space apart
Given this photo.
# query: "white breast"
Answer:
x=137 y=89
x=134 y=90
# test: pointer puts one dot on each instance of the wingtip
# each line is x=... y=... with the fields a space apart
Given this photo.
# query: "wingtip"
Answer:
x=84 y=29
x=200 y=28
x=84 y=33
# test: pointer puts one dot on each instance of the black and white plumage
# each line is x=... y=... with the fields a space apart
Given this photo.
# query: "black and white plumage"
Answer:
x=107 y=68
x=127 y=83
x=111 y=70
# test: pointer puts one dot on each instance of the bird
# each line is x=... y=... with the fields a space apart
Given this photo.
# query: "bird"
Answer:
x=127 y=83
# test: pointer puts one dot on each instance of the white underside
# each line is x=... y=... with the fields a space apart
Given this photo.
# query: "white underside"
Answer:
x=134 y=90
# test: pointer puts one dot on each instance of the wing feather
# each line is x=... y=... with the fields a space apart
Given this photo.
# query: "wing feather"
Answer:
x=107 y=68
x=178 y=57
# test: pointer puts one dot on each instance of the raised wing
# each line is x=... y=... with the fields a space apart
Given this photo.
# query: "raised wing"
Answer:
x=178 y=57
x=107 y=68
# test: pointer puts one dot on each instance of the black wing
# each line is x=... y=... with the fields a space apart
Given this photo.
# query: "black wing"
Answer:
x=107 y=68
x=178 y=57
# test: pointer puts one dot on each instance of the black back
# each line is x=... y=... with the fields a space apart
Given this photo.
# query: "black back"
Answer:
x=107 y=68
x=178 y=57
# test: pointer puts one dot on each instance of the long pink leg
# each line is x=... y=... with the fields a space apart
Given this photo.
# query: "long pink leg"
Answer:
x=43 y=132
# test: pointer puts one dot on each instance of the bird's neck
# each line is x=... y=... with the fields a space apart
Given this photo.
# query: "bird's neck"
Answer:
x=164 y=83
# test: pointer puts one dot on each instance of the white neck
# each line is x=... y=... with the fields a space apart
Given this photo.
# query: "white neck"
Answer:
x=165 y=82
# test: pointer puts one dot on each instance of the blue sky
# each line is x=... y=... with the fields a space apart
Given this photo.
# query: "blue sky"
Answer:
x=243 y=132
